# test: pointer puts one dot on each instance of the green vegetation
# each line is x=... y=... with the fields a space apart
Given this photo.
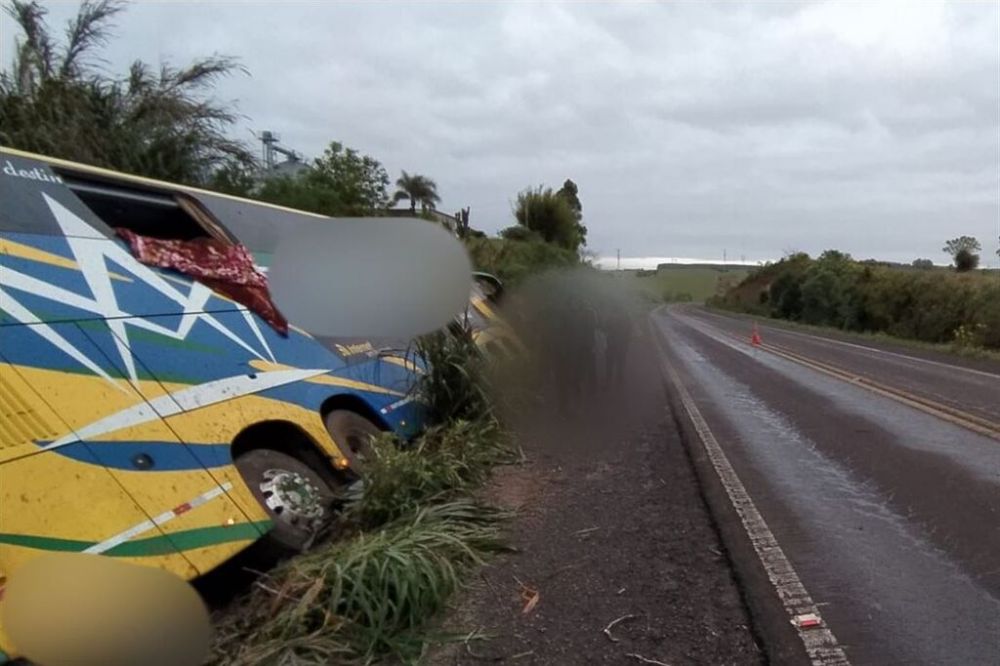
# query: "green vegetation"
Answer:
x=555 y=216
x=683 y=283
x=418 y=189
x=929 y=305
x=340 y=183
x=964 y=251
x=58 y=100
x=514 y=258
x=411 y=535
x=356 y=600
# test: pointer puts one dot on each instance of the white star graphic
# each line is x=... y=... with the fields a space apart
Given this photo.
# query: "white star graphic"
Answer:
x=92 y=252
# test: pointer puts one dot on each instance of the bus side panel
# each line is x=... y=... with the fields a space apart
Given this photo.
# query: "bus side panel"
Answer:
x=123 y=433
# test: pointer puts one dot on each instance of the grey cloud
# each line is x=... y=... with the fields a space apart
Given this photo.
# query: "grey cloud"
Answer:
x=689 y=127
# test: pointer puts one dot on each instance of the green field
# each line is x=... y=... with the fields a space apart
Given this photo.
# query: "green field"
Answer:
x=679 y=282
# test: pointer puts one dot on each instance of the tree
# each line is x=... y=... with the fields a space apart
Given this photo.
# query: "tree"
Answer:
x=158 y=123
x=418 y=189
x=923 y=264
x=549 y=214
x=341 y=183
x=968 y=246
x=571 y=193
x=303 y=191
x=966 y=260
x=359 y=180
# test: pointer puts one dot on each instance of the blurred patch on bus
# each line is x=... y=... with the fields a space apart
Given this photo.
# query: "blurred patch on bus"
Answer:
x=365 y=277
x=73 y=609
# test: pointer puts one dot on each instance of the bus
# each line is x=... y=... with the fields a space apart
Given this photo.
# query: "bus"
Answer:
x=148 y=417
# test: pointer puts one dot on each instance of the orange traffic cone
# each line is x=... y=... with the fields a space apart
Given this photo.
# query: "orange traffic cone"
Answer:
x=755 y=336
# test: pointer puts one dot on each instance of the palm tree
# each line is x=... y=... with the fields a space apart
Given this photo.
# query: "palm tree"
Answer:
x=151 y=122
x=418 y=189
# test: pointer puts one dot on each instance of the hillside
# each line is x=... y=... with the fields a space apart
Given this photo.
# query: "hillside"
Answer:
x=686 y=282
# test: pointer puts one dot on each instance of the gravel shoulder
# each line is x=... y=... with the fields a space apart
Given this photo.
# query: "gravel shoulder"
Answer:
x=617 y=559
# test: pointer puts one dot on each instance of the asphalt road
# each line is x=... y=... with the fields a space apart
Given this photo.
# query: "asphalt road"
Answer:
x=877 y=470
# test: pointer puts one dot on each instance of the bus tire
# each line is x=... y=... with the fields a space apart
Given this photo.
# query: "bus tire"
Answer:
x=352 y=433
x=297 y=498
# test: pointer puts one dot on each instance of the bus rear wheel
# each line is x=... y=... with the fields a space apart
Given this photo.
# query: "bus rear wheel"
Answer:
x=353 y=434
x=296 y=497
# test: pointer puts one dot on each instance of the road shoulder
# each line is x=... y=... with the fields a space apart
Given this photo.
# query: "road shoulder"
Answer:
x=617 y=554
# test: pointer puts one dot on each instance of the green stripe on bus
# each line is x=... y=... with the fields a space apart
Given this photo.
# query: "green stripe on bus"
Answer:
x=198 y=537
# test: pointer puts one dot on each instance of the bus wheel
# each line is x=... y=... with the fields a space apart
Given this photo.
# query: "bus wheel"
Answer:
x=353 y=434
x=296 y=497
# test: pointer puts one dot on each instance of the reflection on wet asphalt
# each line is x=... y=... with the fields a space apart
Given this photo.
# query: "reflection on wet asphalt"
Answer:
x=890 y=590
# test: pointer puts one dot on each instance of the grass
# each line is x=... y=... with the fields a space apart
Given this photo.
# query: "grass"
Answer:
x=686 y=282
x=443 y=463
x=355 y=600
x=858 y=336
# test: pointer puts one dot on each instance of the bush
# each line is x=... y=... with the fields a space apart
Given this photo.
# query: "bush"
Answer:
x=442 y=462
x=514 y=260
x=550 y=215
x=517 y=233
x=926 y=305
x=966 y=260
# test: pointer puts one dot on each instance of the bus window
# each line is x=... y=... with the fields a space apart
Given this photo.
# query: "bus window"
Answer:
x=147 y=212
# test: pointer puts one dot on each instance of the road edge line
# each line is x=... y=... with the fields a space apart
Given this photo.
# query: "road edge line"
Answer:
x=773 y=592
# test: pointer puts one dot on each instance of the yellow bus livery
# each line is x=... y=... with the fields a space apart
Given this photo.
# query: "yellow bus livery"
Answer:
x=144 y=416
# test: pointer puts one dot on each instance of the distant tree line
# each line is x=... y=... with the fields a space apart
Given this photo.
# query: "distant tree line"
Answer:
x=938 y=306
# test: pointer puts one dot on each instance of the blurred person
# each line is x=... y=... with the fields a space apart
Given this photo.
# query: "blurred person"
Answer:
x=618 y=330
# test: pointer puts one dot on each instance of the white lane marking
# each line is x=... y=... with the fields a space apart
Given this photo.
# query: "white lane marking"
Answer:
x=820 y=643
x=873 y=350
x=185 y=400
x=156 y=521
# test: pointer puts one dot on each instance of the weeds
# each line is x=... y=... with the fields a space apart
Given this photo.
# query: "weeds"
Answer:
x=456 y=387
x=358 y=599
x=444 y=461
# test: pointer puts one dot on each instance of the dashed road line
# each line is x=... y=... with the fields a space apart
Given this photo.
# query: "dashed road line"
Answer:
x=820 y=643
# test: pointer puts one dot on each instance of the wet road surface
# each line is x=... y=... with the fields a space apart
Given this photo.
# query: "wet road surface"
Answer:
x=889 y=514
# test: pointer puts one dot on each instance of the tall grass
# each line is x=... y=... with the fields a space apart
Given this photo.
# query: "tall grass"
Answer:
x=456 y=388
x=373 y=595
x=444 y=462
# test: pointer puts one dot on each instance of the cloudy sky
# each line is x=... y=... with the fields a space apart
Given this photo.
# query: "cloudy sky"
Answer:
x=691 y=129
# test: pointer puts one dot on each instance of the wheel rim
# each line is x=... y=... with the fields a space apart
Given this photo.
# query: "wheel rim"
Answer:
x=293 y=498
x=358 y=444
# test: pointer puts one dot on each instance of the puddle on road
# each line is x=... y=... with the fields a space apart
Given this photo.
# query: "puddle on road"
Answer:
x=892 y=594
